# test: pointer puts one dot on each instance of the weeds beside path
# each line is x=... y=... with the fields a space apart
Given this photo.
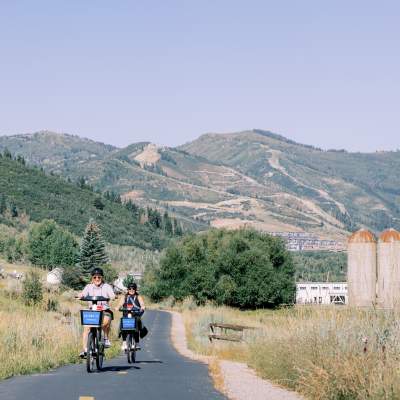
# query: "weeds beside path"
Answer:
x=33 y=339
x=327 y=353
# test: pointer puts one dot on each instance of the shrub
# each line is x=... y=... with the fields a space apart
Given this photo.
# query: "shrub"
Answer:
x=32 y=289
x=73 y=277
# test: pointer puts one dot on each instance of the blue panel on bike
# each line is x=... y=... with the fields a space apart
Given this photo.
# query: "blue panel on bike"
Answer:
x=128 y=323
x=89 y=317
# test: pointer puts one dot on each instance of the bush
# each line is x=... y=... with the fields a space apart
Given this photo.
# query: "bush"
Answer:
x=32 y=289
x=241 y=268
x=73 y=277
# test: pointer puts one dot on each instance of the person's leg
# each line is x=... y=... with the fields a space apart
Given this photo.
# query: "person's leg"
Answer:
x=85 y=333
x=106 y=325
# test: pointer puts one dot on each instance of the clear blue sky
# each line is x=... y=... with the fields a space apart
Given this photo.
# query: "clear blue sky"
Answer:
x=320 y=72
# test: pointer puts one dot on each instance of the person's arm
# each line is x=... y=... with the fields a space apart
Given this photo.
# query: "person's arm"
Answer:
x=121 y=302
x=110 y=292
x=85 y=292
x=141 y=302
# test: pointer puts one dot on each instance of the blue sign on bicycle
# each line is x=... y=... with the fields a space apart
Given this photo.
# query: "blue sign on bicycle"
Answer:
x=128 y=323
x=91 y=317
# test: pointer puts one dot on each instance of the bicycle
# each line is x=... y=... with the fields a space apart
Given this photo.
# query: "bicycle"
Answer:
x=95 y=343
x=129 y=324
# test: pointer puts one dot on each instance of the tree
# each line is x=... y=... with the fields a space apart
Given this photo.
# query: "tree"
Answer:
x=168 y=228
x=51 y=246
x=7 y=154
x=98 y=203
x=92 y=251
x=242 y=268
x=32 y=289
x=13 y=210
x=3 y=204
x=128 y=280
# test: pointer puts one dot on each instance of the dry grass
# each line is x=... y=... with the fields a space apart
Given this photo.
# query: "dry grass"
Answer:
x=318 y=352
x=33 y=339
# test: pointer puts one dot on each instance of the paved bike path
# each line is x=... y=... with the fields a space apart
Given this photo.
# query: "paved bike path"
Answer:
x=160 y=373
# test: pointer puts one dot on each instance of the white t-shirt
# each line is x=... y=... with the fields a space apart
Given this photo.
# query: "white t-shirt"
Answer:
x=104 y=290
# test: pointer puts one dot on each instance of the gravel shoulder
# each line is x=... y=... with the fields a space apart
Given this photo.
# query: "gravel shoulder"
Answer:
x=239 y=382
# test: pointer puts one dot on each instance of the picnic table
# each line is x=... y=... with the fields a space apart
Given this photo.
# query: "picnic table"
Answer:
x=220 y=331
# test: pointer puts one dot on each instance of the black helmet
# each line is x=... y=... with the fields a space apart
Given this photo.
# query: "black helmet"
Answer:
x=97 y=271
x=132 y=286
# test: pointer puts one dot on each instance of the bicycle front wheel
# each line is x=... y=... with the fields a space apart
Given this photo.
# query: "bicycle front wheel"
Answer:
x=129 y=340
x=100 y=352
x=91 y=352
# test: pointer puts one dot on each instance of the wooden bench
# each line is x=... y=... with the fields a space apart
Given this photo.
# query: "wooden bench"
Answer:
x=224 y=328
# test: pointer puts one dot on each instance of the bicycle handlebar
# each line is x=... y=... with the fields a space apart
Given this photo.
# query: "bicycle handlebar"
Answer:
x=94 y=299
x=133 y=309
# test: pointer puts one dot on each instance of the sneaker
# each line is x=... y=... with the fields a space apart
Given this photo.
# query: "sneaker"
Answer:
x=83 y=354
x=107 y=343
x=124 y=346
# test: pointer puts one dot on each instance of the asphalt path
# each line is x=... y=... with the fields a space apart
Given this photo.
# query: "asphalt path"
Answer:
x=160 y=373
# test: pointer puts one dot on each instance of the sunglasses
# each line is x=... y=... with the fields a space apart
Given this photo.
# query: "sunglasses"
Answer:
x=97 y=277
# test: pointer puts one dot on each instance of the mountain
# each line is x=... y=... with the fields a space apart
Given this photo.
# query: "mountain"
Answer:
x=336 y=187
x=254 y=177
x=31 y=194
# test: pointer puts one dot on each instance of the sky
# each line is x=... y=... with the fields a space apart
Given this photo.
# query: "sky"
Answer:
x=325 y=73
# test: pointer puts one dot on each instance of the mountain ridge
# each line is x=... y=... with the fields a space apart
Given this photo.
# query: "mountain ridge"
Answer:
x=253 y=177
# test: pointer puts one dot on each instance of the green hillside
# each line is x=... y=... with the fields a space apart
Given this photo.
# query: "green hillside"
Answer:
x=30 y=191
x=255 y=178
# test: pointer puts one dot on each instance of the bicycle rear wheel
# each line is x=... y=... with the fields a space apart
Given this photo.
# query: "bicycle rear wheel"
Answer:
x=100 y=351
x=91 y=352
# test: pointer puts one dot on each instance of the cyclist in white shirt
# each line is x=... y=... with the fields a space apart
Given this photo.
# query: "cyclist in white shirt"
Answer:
x=98 y=288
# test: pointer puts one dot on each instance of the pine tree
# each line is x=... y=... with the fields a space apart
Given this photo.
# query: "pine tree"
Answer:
x=13 y=210
x=93 y=251
x=3 y=204
x=168 y=228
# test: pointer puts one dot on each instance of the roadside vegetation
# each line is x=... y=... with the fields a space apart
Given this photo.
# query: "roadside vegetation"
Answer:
x=324 y=353
x=39 y=327
x=40 y=324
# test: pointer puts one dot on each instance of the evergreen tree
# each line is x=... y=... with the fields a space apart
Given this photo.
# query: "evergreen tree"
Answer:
x=7 y=154
x=177 y=228
x=3 y=204
x=93 y=251
x=13 y=210
x=167 y=224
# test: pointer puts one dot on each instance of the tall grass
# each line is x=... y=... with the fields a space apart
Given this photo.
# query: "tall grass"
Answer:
x=320 y=352
x=33 y=339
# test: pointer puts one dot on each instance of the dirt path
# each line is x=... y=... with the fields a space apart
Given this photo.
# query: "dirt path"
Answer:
x=239 y=382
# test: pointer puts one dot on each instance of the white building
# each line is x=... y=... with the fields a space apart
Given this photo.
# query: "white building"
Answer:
x=321 y=293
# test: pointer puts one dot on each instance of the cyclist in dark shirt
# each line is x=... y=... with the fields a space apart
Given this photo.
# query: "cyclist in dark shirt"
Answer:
x=133 y=299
